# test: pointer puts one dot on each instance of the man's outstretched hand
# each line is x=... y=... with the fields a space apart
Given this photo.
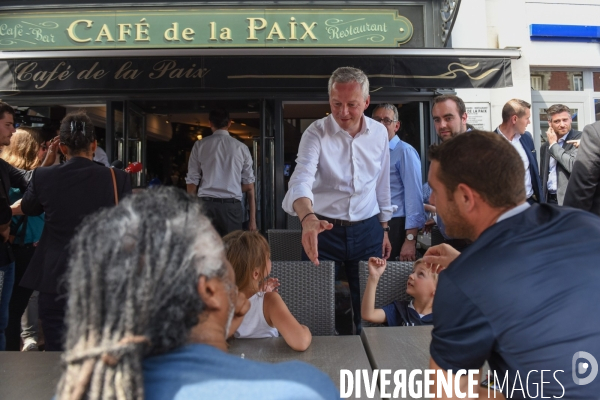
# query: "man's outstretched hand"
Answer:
x=311 y=227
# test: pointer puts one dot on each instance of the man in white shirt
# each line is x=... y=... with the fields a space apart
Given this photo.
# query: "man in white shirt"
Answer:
x=516 y=116
x=340 y=188
x=222 y=167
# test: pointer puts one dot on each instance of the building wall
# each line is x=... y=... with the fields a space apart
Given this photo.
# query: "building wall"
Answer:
x=506 y=24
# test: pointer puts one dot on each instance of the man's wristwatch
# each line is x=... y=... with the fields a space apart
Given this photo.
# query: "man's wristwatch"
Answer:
x=410 y=237
x=387 y=229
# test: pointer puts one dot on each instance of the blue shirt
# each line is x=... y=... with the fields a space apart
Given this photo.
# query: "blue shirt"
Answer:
x=199 y=371
x=406 y=183
x=402 y=313
x=524 y=296
x=35 y=224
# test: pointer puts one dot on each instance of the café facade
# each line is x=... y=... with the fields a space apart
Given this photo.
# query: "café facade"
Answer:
x=148 y=72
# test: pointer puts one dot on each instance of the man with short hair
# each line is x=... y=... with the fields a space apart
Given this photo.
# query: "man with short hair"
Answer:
x=557 y=154
x=520 y=297
x=152 y=300
x=449 y=119
x=449 y=116
x=340 y=188
x=583 y=190
x=516 y=115
x=219 y=170
x=406 y=186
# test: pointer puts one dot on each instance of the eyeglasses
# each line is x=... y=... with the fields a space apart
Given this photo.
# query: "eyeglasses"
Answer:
x=385 y=121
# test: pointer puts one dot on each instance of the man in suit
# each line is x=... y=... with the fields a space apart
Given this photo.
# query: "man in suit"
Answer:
x=557 y=154
x=583 y=190
x=515 y=118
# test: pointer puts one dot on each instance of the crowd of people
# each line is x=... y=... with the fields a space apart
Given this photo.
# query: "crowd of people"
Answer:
x=141 y=291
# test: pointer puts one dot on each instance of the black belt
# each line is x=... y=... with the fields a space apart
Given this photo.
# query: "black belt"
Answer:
x=217 y=200
x=339 y=222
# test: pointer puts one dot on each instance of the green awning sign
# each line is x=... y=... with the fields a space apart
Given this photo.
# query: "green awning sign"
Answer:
x=203 y=28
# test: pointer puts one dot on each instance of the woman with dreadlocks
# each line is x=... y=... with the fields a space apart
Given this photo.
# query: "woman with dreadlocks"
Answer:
x=152 y=300
x=66 y=193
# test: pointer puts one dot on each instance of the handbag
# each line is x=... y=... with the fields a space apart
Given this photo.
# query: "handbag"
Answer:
x=114 y=179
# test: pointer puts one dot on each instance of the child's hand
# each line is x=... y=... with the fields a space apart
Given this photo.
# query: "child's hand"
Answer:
x=271 y=285
x=376 y=267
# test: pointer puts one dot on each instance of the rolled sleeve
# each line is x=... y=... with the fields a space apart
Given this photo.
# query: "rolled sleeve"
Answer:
x=382 y=190
x=302 y=179
x=462 y=337
x=409 y=168
x=247 y=172
x=193 y=174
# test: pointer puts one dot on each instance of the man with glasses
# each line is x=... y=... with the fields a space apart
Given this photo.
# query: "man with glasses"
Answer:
x=405 y=186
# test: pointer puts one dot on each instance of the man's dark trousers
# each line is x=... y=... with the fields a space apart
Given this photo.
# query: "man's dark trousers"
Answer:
x=397 y=235
x=51 y=311
x=350 y=245
x=225 y=214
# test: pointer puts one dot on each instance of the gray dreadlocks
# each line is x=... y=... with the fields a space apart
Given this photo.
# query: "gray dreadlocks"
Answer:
x=132 y=285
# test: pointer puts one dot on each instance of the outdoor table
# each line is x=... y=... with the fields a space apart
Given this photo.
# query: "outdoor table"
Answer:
x=29 y=375
x=328 y=353
x=398 y=347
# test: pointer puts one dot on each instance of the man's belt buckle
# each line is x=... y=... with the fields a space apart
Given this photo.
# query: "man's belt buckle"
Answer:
x=342 y=222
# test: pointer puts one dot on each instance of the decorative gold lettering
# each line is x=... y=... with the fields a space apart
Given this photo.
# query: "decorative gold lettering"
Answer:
x=71 y=30
x=275 y=30
x=172 y=34
x=252 y=27
x=124 y=29
x=24 y=70
x=104 y=32
x=91 y=74
x=308 y=30
x=188 y=34
x=213 y=31
x=225 y=34
x=126 y=73
x=293 y=25
x=47 y=77
x=141 y=31
x=161 y=68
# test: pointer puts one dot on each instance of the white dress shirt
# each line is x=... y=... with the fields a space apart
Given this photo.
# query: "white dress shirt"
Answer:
x=345 y=178
x=519 y=147
x=220 y=165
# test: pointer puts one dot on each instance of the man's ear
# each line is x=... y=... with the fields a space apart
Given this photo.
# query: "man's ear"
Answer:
x=514 y=119
x=464 y=197
x=209 y=289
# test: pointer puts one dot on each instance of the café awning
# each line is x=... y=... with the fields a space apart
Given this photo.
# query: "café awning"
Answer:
x=117 y=71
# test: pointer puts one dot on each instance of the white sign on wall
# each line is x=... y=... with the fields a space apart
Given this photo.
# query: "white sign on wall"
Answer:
x=478 y=115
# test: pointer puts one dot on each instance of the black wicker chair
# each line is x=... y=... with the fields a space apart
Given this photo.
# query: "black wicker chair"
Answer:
x=285 y=244
x=308 y=291
x=293 y=222
x=391 y=286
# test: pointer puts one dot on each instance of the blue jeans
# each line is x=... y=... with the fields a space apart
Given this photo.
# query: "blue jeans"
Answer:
x=7 y=280
x=348 y=245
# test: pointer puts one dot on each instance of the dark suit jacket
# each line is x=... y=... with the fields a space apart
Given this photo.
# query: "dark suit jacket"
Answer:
x=534 y=172
x=583 y=190
x=565 y=158
x=66 y=193
x=9 y=177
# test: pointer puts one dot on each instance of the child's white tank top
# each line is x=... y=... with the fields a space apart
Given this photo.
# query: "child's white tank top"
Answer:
x=254 y=324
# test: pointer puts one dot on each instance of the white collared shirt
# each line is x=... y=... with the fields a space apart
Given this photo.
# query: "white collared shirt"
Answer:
x=513 y=211
x=552 y=178
x=220 y=164
x=345 y=177
x=519 y=147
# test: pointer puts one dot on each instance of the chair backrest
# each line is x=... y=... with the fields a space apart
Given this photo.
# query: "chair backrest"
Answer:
x=285 y=244
x=391 y=286
x=308 y=292
x=293 y=222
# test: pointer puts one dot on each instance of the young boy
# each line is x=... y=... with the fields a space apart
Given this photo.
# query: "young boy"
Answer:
x=421 y=286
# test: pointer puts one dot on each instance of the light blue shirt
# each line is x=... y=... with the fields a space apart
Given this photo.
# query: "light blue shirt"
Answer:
x=552 y=178
x=406 y=183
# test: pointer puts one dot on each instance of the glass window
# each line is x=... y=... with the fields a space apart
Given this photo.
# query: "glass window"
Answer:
x=597 y=109
x=596 y=81
x=557 y=80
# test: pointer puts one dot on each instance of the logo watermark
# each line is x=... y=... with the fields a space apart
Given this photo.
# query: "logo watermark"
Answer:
x=580 y=368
